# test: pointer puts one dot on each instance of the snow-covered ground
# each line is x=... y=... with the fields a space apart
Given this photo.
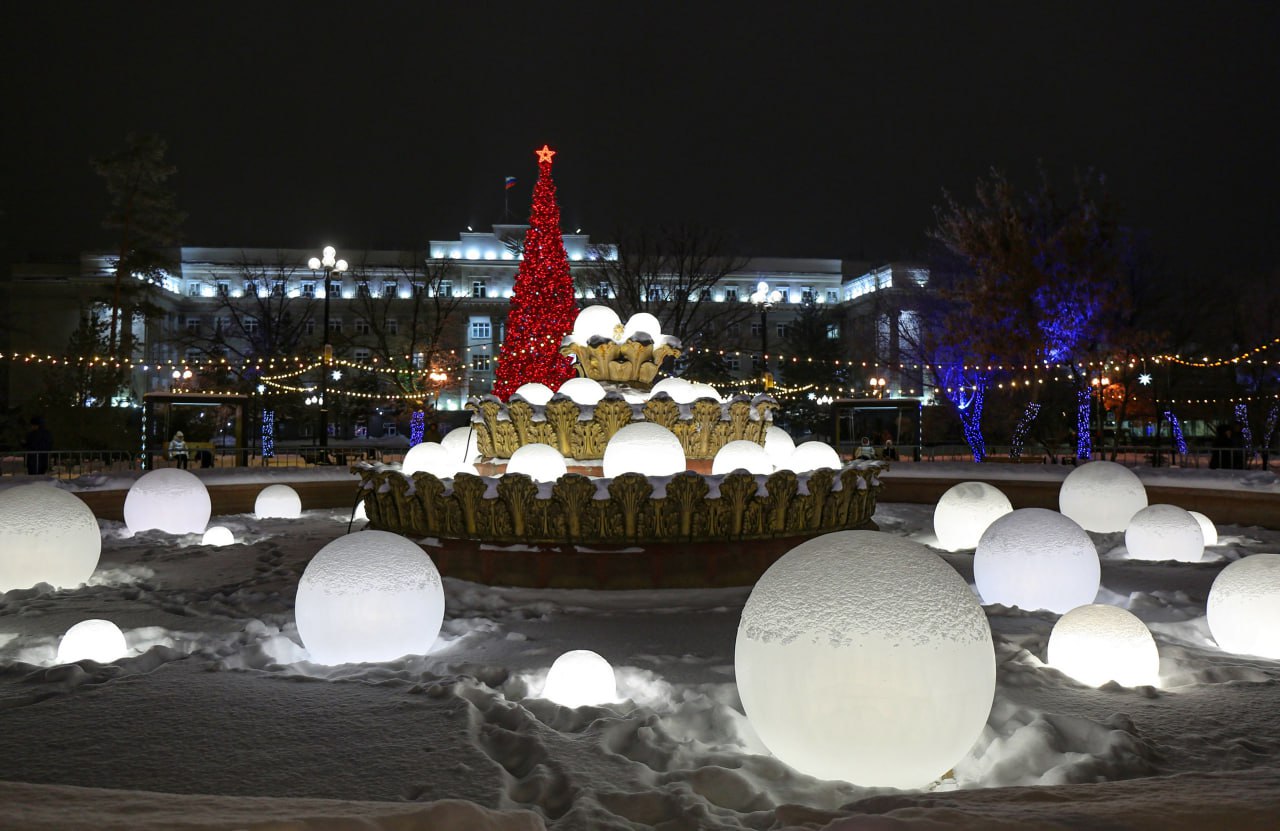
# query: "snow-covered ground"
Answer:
x=217 y=721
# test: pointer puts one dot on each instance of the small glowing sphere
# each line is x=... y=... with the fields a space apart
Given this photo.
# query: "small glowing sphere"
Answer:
x=580 y=678
x=540 y=462
x=277 y=502
x=1244 y=606
x=704 y=391
x=218 y=535
x=1207 y=528
x=170 y=499
x=463 y=443
x=585 y=391
x=534 y=393
x=46 y=536
x=1096 y=643
x=369 y=596
x=812 y=455
x=779 y=445
x=965 y=511
x=433 y=458
x=1164 y=532
x=1035 y=558
x=743 y=454
x=642 y=322
x=680 y=390
x=93 y=640
x=595 y=321
x=1102 y=496
x=646 y=448
x=863 y=656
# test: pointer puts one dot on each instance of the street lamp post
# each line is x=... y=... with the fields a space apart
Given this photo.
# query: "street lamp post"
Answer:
x=328 y=264
x=763 y=299
x=878 y=385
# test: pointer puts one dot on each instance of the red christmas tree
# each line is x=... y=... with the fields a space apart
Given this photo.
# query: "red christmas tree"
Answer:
x=542 y=306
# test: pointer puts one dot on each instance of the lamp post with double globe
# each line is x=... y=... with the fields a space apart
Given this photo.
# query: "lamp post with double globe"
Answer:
x=329 y=264
x=764 y=299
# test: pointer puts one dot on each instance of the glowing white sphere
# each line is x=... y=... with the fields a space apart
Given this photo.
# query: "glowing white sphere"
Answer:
x=642 y=322
x=540 y=462
x=680 y=390
x=595 y=321
x=646 y=448
x=1096 y=643
x=435 y=459
x=170 y=499
x=1102 y=496
x=863 y=656
x=46 y=536
x=463 y=443
x=1164 y=532
x=1035 y=558
x=580 y=678
x=218 y=535
x=743 y=454
x=779 y=445
x=1207 y=528
x=1244 y=606
x=701 y=390
x=812 y=455
x=534 y=393
x=585 y=391
x=369 y=596
x=277 y=502
x=94 y=640
x=965 y=511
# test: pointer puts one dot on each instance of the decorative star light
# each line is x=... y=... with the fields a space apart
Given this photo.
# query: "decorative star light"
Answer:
x=1144 y=379
x=336 y=374
x=262 y=388
x=545 y=154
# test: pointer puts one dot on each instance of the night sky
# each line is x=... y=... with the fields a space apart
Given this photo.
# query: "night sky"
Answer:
x=806 y=133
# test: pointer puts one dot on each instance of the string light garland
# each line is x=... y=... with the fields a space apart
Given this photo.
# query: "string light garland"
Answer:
x=417 y=427
x=268 y=433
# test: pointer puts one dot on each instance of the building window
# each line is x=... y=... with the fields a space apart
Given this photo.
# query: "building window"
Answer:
x=705 y=294
x=250 y=289
x=733 y=330
x=309 y=326
x=806 y=294
x=193 y=325
x=335 y=288
x=362 y=327
x=335 y=325
x=419 y=360
x=480 y=363
x=833 y=296
x=277 y=288
x=481 y=330
x=224 y=288
x=419 y=289
x=444 y=289
x=251 y=326
x=479 y=288
x=602 y=291
x=392 y=326
x=833 y=331
x=756 y=363
x=781 y=330
x=734 y=363
x=360 y=355
x=389 y=429
x=756 y=329
x=655 y=294
x=193 y=289
x=308 y=289
x=785 y=291
x=390 y=288
x=362 y=289
x=193 y=355
x=731 y=294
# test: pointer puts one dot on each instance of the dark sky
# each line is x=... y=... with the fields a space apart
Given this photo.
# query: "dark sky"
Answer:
x=813 y=132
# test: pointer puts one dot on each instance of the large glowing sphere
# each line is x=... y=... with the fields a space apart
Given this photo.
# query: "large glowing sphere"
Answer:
x=1095 y=644
x=1164 y=532
x=1207 y=528
x=1244 y=606
x=463 y=443
x=965 y=511
x=1035 y=558
x=433 y=458
x=743 y=454
x=277 y=502
x=540 y=462
x=812 y=455
x=701 y=390
x=595 y=321
x=46 y=536
x=680 y=390
x=580 y=678
x=369 y=596
x=779 y=445
x=646 y=448
x=170 y=499
x=642 y=322
x=93 y=640
x=534 y=393
x=1102 y=496
x=585 y=391
x=218 y=535
x=863 y=656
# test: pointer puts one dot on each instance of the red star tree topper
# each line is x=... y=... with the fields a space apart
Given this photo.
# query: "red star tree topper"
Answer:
x=542 y=307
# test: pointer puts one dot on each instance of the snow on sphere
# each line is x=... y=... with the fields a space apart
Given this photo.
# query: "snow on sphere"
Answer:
x=433 y=458
x=1244 y=606
x=642 y=322
x=812 y=455
x=595 y=321
x=540 y=462
x=277 y=502
x=863 y=656
x=46 y=536
x=965 y=511
x=360 y=513
x=585 y=391
x=218 y=535
x=1102 y=496
x=1164 y=532
x=1035 y=558
x=646 y=448
x=94 y=640
x=1097 y=643
x=743 y=454
x=779 y=445
x=580 y=678
x=369 y=596
x=680 y=390
x=1207 y=528
x=463 y=443
x=704 y=391
x=170 y=499
x=534 y=393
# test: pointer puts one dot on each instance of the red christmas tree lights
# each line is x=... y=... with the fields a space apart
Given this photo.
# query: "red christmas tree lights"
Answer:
x=542 y=306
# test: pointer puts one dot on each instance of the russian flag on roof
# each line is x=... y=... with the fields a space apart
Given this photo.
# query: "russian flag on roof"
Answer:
x=509 y=183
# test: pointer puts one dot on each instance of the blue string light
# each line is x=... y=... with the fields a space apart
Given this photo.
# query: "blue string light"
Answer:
x=1242 y=416
x=1021 y=428
x=1084 y=440
x=1178 y=441
x=268 y=433
x=417 y=427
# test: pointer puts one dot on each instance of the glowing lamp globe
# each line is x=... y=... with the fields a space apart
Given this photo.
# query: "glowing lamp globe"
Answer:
x=1164 y=532
x=540 y=462
x=534 y=393
x=433 y=458
x=93 y=640
x=1096 y=643
x=1102 y=496
x=863 y=656
x=277 y=502
x=218 y=535
x=580 y=678
x=779 y=445
x=741 y=454
x=642 y=322
x=646 y=448
x=812 y=455
x=1035 y=558
x=46 y=536
x=1207 y=528
x=704 y=391
x=585 y=391
x=597 y=322
x=369 y=596
x=463 y=444
x=1244 y=606
x=670 y=386
x=965 y=511
x=171 y=499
